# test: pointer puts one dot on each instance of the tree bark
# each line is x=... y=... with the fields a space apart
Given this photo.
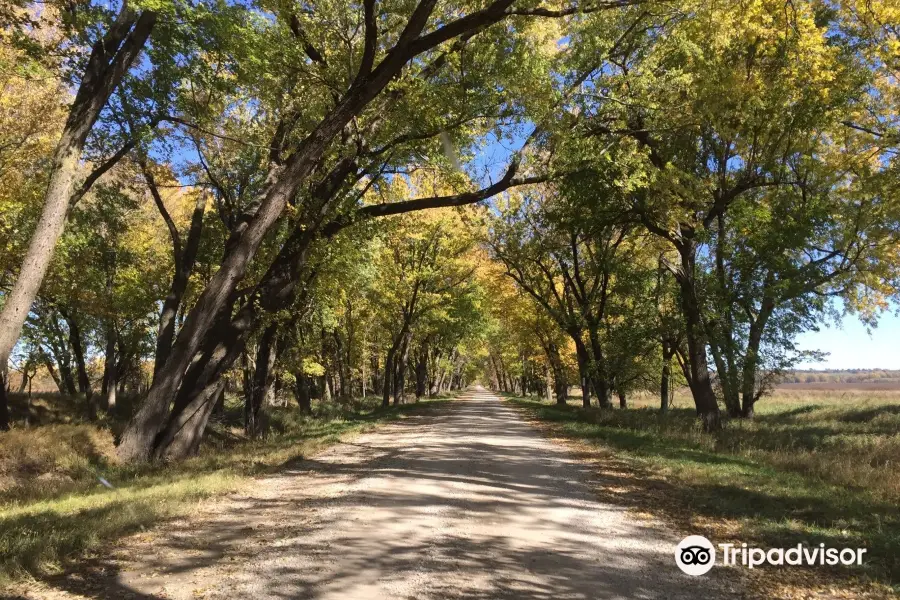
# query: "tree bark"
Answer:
x=598 y=369
x=720 y=326
x=388 y=384
x=84 y=382
x=400 y=378
x=583 y=368
x=301 y=385
x=4 y=401
x=263 y=378
x=749 y=393
x=422 y=372
x=701 y=385
x=183 y=437
x=667 y=352
x=184 y=260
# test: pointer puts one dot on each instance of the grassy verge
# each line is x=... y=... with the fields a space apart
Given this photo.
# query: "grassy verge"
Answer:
x=53 y=509
x=807 y=472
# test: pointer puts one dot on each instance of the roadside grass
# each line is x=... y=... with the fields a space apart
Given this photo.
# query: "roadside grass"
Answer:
x=54 y=510
x=809 y=469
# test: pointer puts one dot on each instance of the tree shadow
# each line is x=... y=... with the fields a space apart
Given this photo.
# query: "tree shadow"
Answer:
x=469 y=503
x=773 y=507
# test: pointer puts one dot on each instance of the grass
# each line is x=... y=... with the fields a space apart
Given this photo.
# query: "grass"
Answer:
x=53 y=509
x=812 y=468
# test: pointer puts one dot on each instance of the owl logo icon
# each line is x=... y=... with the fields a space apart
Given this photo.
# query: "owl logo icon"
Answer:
x=695 y=555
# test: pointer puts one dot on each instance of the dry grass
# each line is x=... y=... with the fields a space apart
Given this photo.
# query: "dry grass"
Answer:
x=849 y=438
x=44 y=460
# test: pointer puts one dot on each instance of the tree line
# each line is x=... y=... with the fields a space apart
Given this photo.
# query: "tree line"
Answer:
x=282 y=196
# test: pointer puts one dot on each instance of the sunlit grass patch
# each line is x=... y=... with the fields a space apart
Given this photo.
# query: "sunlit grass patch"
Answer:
x=816 y=471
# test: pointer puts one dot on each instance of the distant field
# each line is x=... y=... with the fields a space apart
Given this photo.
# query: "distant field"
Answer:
x=891 y=384
x=795 y=394
x=851 y=379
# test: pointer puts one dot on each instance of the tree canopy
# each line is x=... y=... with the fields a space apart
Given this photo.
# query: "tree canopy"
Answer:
x=332 y=199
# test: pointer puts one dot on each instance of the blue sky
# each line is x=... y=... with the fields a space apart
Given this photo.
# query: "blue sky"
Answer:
x=850 y=345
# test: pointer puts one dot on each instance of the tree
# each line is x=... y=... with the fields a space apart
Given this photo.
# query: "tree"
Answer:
x=110 y=57
x=286 y=176
x=759 y=124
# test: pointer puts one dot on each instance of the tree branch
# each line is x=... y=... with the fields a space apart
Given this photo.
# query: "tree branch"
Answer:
x=395 y=208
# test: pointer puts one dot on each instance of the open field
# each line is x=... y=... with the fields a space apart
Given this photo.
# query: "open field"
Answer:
x=787 y=397
x=886 y=385
x=811 y=468
x=54 y=510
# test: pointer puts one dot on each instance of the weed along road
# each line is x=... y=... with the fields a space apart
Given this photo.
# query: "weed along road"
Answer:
x=470 y=502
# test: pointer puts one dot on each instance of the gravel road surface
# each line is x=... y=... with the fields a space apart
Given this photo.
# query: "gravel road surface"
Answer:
x=470 y=502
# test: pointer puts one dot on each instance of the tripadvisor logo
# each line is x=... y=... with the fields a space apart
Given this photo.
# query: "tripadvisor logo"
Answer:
x=696 y=555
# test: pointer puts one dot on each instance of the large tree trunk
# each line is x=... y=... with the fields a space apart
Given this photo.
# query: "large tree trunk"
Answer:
x=598 y=369
x=548 y=385
x=751 y=358
x=200 y=394
x=301 y=386
x=727 y=380
x=84 y=382
x=422 y=373
x=504 y=377
x=222 y=344
x=667 y=352
x=433 y=362
x=183 y=437
x=721 y=331
x=203 y=391
x=227 y=339
x=560 y=382
x=184 y=260
x=701 y=385
x=263 y=378
x=388 y=385
x=111 y=57
x=400 y=378
x=66 y=376
x=581 y=354
x=4 y=402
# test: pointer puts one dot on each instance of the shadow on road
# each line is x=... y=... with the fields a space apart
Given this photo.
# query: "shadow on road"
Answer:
x=467 y=503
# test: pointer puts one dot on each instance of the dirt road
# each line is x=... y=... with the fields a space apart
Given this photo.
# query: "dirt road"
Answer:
x=470 y=503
